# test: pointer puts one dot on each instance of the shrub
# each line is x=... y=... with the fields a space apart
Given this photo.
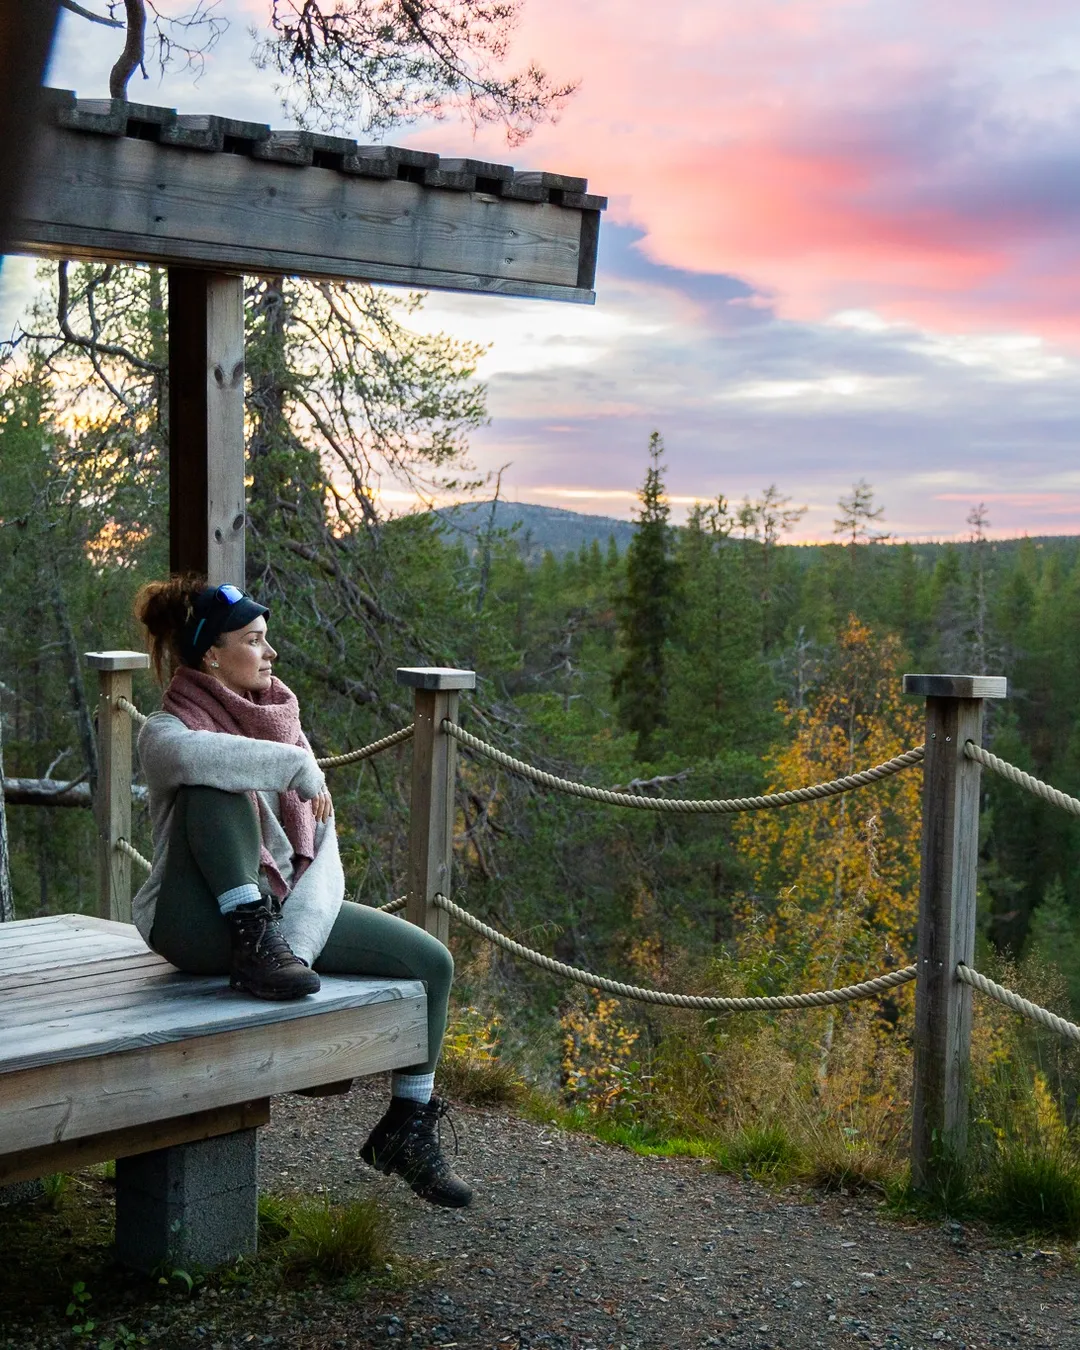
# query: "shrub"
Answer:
x=471 y=1068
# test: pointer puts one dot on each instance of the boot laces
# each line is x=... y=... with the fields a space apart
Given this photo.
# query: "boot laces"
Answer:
x=269 y=938
x=427 y=1124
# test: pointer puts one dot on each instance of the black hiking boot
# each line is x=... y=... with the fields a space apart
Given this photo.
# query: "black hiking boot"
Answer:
x=263 y=963
x=406 y=1141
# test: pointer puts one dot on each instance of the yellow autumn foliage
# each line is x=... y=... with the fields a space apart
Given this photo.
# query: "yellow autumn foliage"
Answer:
x=842 y=874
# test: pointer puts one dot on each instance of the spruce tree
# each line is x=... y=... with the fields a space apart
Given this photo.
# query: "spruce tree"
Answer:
x=647 y=611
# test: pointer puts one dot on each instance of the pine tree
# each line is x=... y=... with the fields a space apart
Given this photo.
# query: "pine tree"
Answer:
x=647 y=611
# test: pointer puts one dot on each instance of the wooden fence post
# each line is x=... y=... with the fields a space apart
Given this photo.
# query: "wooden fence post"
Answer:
x=950 y=847
x=112 y=805
x=431 y=813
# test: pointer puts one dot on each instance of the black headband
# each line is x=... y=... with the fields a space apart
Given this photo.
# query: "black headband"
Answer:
x=216 y=610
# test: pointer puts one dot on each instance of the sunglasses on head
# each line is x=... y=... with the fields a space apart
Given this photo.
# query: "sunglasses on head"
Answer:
x=227 y=595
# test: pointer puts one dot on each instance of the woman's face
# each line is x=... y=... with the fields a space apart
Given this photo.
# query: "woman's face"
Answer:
x=244 y=659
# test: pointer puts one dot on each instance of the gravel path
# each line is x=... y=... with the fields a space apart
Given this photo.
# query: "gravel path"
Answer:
x=571 y=1244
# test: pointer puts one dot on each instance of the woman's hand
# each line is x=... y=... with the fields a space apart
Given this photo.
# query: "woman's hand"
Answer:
x=322 y=806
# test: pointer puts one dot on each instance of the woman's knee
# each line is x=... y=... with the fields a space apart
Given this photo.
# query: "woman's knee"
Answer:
x=439 y=964
x=217 y=806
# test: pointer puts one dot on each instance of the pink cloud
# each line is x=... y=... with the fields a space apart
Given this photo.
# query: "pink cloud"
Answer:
x=913 y=159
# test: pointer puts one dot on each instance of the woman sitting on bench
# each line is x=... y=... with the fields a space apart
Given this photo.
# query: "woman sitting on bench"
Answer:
x=246 y=880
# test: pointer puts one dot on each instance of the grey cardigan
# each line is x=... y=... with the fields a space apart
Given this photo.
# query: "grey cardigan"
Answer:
x=173 y=756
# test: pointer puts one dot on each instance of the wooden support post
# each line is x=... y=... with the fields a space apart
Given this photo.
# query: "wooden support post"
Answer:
x=950 y=845
x=112 y=808
x=431 y=814
x=206 y=424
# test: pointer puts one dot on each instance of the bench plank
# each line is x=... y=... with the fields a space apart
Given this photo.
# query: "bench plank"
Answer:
x=81 y=1097
x=69 y=1156
x=54 y=977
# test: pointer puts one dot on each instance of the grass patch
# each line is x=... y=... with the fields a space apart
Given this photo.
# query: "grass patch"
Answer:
x=1034 y=1190
x=480 y=1082
x=764 y=1152
x=332 y=1241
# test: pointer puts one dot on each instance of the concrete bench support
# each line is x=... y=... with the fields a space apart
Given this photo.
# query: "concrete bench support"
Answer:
x=189 y=1205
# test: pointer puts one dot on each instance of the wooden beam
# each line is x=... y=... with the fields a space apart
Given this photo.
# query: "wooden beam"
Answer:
x=26 y=33
x=206 y=425
x=115 y=196
x=947 y=897
x=77 y=1098
x=71 y=1154
x=432 y=807
x=113 y=792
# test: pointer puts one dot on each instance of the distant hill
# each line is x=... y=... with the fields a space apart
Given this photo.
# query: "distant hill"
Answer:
x=537 y=529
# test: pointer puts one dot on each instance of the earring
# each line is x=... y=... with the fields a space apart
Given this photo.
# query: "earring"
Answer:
x=213 y=665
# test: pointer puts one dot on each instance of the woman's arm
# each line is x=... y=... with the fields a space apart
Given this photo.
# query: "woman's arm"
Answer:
x=173 y=756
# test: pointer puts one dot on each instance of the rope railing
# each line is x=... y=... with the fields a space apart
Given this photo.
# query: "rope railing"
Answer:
x=818 y=998
x=327 y=761
x=1025 y=780
x=133 y=853
x=719 y=807
x=392 y=906
x=126 y=705
x=367 y=751
x=1012 y=1000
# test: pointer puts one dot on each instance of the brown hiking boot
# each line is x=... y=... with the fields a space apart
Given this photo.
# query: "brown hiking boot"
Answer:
x=263 y=963
x=406 y=1141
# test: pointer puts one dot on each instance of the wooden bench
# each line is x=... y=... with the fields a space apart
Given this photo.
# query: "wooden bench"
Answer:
x=108 y=1052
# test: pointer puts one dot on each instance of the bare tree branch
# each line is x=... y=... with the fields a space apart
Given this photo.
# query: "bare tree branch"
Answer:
x=134 y=53
x=107 y=20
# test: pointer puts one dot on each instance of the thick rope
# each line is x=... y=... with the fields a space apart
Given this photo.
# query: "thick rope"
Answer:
x=134 y=854
x=1045 y=1018
x=375 y=748
x=328 y=761
x=1014 y=775
x=125 y=705
x=723 y=807
x=820 y=998
x=392 y=906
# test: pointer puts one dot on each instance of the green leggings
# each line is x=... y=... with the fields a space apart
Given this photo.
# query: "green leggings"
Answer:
x=214 y=846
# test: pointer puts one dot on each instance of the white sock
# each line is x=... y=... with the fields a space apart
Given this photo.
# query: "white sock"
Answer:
x=416 y=1087
x=239 y=895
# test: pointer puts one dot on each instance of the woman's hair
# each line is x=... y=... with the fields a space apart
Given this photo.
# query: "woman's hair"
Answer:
x=164 y=608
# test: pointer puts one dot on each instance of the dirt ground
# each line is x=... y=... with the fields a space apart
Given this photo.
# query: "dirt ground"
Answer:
x=574 y=1245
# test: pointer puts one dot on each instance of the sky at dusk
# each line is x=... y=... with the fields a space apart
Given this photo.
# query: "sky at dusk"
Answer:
x=843 y=242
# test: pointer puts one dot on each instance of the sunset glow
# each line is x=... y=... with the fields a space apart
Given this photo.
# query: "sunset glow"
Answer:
x=842 y=243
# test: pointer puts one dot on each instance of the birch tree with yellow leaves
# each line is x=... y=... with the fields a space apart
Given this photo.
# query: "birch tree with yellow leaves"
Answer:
x=835 y=883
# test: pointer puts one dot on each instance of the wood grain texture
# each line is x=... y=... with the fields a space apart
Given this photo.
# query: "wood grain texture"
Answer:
x=957 y=686
x=118 y=197
x=112 y=796
x=206 y=424
x=435 y=677
x=72 y=1154
x=948 y=877
x=431 y=810
x=85 y=1097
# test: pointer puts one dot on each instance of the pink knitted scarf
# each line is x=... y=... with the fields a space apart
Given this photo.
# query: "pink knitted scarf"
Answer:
x=203 y=703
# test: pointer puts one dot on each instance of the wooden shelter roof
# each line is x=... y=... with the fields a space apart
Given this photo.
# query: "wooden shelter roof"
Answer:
x=119 y=180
